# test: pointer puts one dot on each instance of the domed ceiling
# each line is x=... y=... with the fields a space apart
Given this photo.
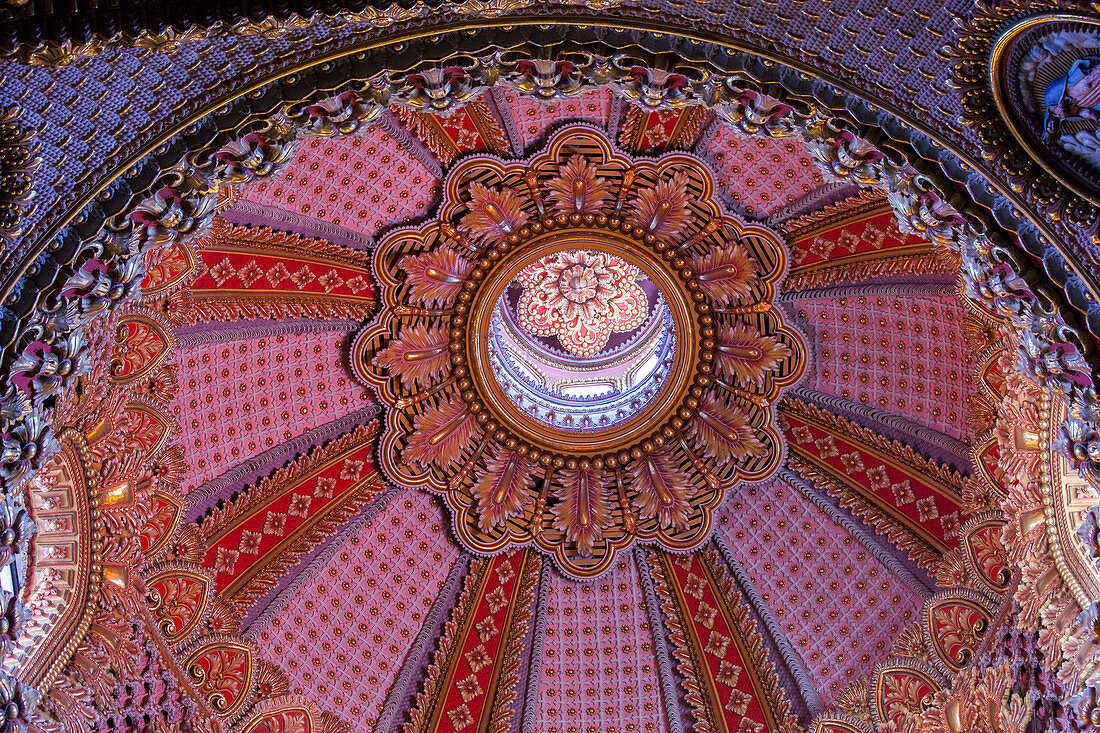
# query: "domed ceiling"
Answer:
x=415 y=559
x=558 y=415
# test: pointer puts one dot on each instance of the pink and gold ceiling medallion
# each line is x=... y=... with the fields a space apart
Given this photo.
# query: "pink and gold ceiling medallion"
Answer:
x=580 y=351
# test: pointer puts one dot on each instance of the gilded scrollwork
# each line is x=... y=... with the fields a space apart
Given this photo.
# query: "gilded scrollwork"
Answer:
x=179 y=594
x=223 y=669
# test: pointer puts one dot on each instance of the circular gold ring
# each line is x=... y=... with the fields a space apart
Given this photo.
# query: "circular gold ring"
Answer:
x=673 y=286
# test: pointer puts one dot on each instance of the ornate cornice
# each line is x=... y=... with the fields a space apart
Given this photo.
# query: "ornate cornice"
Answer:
x=829 y=196
x=228 y=237
x=42 y=39
x=266 y=306
x=925 y=287
x=922 y=260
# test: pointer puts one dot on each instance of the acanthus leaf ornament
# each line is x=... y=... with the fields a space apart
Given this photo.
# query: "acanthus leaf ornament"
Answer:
x=902 y=689
x=42 y=368
x=726 y=274
x=342 y=114
x=435 y=277
x=585 y=508
x=175 y=212
x=441 y=434
x=552 y=355
x=653 y=88
x=18 y=701
x=847 y=155
x=21 y=447
x=436 y=90
x=543 y=78
x=494 y=215
x=954 y=623
x=979 y=702
x=662 y=209
x=747 y=354
x=504 y=489
x=662 y=490
x=724 y=431
x=223 y=670
x=253 y=156
x=420 y=354
x=579 y=189
x=96 y=286
x=178 y=595
x=754 y=113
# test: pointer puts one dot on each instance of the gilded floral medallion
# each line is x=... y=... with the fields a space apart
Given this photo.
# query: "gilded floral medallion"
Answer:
x=580 y=351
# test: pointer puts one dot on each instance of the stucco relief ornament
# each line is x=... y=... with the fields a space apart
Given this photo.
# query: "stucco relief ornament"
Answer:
x=582 y=298
x=1046 y=83
x=580 y=351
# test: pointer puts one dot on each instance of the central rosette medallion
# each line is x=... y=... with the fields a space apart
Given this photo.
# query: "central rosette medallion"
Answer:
x=580 y=339
x=580 y=351
x=582 y=297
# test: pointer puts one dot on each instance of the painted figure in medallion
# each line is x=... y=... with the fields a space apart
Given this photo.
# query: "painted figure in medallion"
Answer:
x=1074 y=96
x=1057 y=79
